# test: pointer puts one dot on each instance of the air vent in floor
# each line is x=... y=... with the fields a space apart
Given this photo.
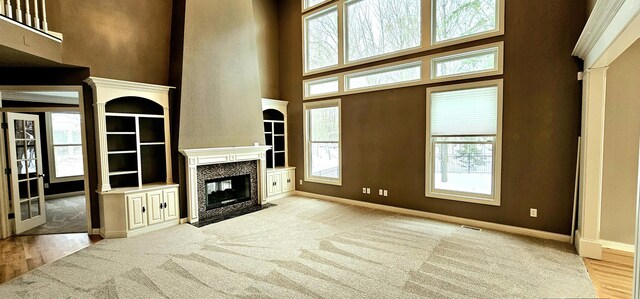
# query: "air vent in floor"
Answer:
x=472 y=228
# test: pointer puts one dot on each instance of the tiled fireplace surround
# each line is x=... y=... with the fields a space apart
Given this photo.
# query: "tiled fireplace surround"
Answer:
x=213 y=163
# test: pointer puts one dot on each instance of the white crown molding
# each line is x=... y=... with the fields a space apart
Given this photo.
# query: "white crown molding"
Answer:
x=601 y=16
x=126 y=85
x=38 y=98
x=607 y=24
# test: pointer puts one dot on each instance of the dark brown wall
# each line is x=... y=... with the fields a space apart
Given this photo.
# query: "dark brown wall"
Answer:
x=384 y=132
x=116 y=39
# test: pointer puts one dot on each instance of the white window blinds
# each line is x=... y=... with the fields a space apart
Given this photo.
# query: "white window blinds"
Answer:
x=465 y=112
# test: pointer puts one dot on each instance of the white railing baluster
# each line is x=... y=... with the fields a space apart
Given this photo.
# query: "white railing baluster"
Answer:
x=36 y=18
x=8 y=10
x=45 y=26
x=27 y=15
x=18 y=11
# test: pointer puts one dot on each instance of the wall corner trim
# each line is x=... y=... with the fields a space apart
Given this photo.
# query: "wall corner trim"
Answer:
x=445 y=218
x=587 y=247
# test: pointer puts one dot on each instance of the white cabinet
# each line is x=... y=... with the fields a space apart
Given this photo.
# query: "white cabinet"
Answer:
x=138 y=210
x=280 y=181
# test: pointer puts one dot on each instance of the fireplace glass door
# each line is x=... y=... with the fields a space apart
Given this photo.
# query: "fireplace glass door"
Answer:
x=227 y=191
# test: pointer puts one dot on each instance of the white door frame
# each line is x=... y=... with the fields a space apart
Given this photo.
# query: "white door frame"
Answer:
x=5 y=226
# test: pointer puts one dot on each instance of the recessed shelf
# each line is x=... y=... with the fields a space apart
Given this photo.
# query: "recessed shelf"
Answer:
x=122 y=172
x=121 y=133
x=152 y=143
x=275 y=121
x=121 y=152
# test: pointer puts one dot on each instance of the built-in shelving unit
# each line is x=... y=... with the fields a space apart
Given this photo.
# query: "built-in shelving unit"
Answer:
x=280 y=177
x=137 y=193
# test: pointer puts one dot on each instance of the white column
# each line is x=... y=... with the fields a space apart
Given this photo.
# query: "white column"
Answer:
x=36 y=13
x=2 y=7
x=192 y=189
x=593 y=117
x=18 y=12
x=101 y=142
x=8 y=11
x=45 y=26
x=27 y=15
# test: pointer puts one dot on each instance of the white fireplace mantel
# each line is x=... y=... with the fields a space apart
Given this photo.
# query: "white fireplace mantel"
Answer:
x=219 y=155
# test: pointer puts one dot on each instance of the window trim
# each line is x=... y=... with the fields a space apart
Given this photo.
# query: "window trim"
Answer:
x=430 y=192
x=427 y=71
x=312 y=7
x=308 y=83
x=325 y=9
x=307 y=157
x=378 y=70
x=427 y=36
x=51 y=152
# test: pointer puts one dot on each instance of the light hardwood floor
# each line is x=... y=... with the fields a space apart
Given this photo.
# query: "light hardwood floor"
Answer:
x=21 y=254
x=613 y=275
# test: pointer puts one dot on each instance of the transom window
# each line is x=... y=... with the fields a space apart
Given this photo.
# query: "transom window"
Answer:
x=64 y=143
x=464 y=142
x=353 y=32
x=323 y=162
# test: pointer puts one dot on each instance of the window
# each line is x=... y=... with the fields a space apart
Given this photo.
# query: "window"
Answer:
x=321 y=39
x=385 y=76
x=457 y=19
x=323 y=155
x=464 y=143
x=378 y=27
x=321 y=87
x=465 y=63
x=346 y=33
x=64 y=143
x=473 y=62
x=311 y=3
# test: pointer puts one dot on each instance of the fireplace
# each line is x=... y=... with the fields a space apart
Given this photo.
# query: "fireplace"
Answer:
x=227 y=191
x=219 y=165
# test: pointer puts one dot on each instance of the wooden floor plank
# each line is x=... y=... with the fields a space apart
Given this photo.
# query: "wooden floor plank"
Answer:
x=21 y=254
x=613 y=275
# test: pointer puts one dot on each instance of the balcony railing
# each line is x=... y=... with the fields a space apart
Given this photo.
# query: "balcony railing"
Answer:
x=31 y=13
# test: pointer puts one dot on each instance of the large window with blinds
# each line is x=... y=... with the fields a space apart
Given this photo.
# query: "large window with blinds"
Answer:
x=464 y=127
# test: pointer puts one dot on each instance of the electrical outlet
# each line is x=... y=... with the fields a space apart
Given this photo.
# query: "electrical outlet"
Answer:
x=364 y=190
x=380 y=192
x=46 y=185
x=300 y=182
x=368 y=190
x=533 y=213
x=386 y=193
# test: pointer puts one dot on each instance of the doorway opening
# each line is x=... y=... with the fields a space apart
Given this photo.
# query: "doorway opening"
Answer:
x=44 y=155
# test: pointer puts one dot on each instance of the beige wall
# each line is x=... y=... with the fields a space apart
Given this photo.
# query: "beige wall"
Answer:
x=622 y=134
x=220 y=97
x=266 y=18
x=116 y=39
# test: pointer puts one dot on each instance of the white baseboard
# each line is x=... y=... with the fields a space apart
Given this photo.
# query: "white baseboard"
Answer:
x=587 y=247
x=184 y=220
x=630 y=248
x=95 y=231
x=445 y=218
x=63 y=195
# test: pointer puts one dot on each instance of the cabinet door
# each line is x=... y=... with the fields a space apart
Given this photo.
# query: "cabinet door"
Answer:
x=277 y=183
x=270 y=184
x=155 y=206
x=288 y=180
x=171 y=204
x=137 y=210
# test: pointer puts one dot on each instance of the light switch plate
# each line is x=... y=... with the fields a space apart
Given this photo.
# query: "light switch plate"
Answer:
x=533 y=213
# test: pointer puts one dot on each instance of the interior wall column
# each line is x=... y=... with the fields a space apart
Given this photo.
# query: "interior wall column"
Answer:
x=593 y=117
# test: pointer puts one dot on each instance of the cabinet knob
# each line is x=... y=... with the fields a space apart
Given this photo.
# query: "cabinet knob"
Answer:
x=143 y=210
x=165 y=205
x=160 y=206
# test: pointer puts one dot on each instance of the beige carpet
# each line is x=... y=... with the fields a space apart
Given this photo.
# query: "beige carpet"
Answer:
x=305 y=248
x=64 y=215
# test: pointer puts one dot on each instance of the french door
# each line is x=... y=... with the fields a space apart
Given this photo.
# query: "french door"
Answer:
x=27 y=188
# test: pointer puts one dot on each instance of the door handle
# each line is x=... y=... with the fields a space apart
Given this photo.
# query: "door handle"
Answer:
x=42 y=175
